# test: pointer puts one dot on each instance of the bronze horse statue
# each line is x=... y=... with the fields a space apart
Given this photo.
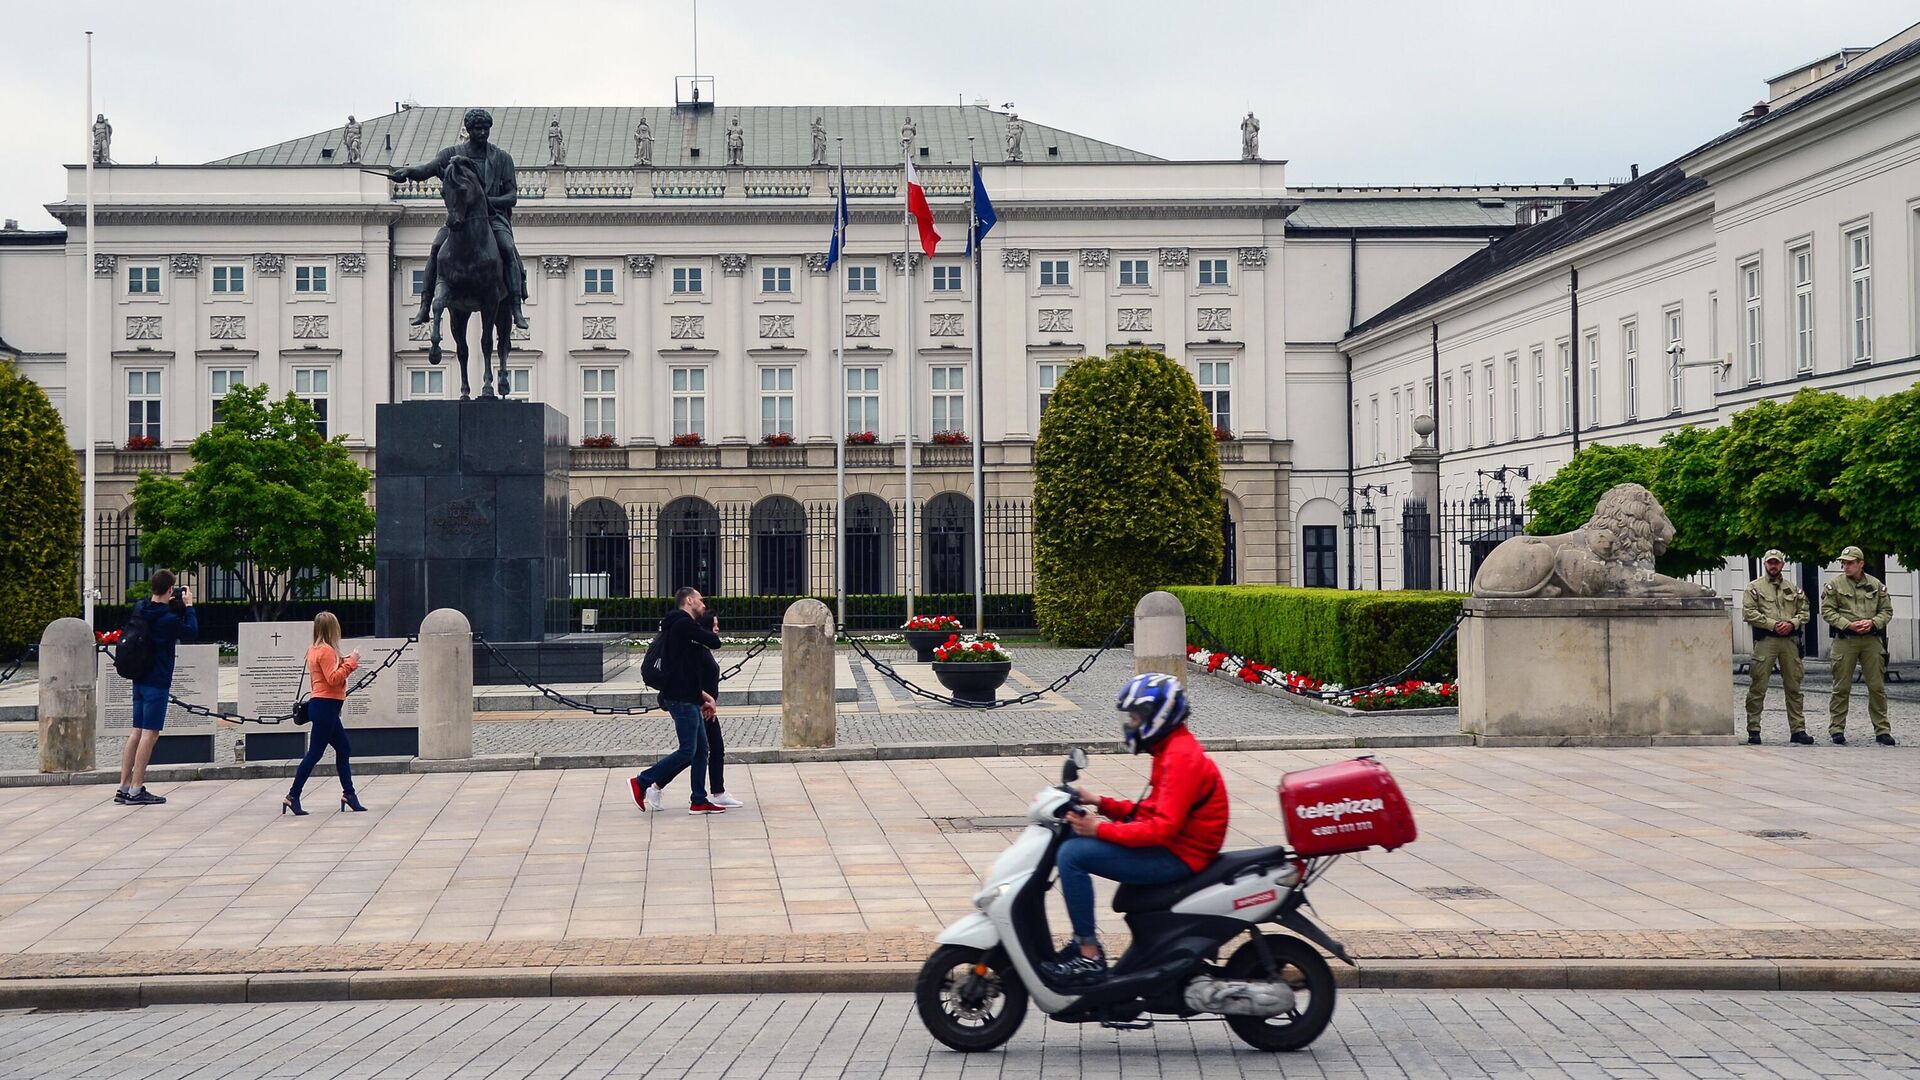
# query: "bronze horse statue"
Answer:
x=472 y=279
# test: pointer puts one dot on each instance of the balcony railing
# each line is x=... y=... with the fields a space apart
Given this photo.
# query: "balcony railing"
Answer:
x=779 y=183
x=599 y=183
x=689 y=183
x=687 y=457
x=869 y=457
x=1231 y=452
x=595 y=457
x=938 y=457
x=709 y=183
x=134 y=462
x=776 y=457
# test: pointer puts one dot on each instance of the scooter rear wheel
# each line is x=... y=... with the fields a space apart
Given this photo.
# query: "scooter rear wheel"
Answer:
x=1300 y=967
x=965 y=1010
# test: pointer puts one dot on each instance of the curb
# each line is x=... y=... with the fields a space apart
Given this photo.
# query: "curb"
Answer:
x=1835 y=976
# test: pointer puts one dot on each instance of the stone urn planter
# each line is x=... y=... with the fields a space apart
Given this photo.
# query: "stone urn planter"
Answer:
x=923 y=642
x=973 y=681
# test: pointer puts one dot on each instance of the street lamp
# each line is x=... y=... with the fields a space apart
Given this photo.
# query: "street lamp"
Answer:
x=1504 y=504
x=1369 y=519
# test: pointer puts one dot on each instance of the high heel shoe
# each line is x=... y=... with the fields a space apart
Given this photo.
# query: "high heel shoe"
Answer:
x=351 y=802
x=291 y=805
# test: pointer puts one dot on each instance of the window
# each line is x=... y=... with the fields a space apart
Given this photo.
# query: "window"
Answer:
x=690 y=401
x=519 y=383
x=1713 y=325
x=1487 y=398
x=1394 y=439
x=688 y=280
x=426 y=383
x=946 y=279
x=1466 y=395
x=1860 y=293
x=863 y=399
x=1373 y=420
x=1216 y=392
x=1566 y=387
x=1676 y=385
x=1430 y=399
x=598 y=400
x=863 y=279
x=1213 y=273
x=776 y=279
x=599 y=281
x=223 y=380
x=312 y=385
x=1591 y=343
x=949 y=398
x=143 y=404
x=776 y=401
x=1050 y=372
x=1801 y=260
x=1513 y=398
x=1055 y=273
x=228 y=280
x=309 y=279
x=418 y=283
x=1630 y=366
x=1320 y=546
x=1446 y=420
x=1750 y=320
x=143 y=280
x=1133 y=273
x=1539 y=391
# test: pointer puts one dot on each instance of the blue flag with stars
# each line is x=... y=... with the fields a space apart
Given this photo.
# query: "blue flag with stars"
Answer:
x=983 y=215
x=840 y=218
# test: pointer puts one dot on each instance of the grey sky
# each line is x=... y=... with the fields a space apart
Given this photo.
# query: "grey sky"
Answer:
x=1371 y=93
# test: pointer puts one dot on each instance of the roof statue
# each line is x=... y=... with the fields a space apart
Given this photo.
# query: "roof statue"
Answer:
x=736 y=143
x=102 y=140
x=819 y=133
x=556 y=143
x=350 y=136
x=1250 y=138
x=1611 y=555
x=908 y=135
x=1016 y=131
x=643 y=143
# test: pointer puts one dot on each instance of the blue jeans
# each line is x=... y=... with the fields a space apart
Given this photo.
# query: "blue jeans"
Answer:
x=327 y=731
x=150 y=706
x=691 y=730
x=1084 y=855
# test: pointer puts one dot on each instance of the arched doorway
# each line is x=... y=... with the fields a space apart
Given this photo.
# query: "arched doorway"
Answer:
x=869 y=546
x=779 y=537
x=1229 y=552
x=602 y=555
x=949 y=543
x=690 y=546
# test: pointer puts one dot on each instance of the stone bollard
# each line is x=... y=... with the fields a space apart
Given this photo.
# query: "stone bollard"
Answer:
x=68 y=672
x=446 y=685
x=1160 y=635
x=807 y=713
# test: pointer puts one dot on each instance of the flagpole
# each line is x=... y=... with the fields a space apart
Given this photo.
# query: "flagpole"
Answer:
x=840 y=380
x=90 y=585
x=906 y=351
x=979 y=410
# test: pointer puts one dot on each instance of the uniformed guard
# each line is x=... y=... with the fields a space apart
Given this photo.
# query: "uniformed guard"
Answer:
x=1776 y=610
x=1858 y=608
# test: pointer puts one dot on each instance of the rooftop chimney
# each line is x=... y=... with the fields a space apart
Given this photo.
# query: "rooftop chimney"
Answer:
x=1634 y=170
x=13 y=225
x=1760 y=109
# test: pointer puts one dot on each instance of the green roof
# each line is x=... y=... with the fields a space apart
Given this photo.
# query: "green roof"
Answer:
x=776 y=136
x=1432 y=213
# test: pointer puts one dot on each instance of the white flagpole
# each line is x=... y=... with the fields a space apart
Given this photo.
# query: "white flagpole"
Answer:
x=90 y=584
x=979 y=424
x=907 y=357
x=840 y=380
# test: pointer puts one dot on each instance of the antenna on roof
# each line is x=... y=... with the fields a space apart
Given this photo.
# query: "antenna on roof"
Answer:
x=694 y=91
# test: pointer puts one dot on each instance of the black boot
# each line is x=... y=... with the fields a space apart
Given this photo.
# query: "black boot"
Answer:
x=519 y=313
x=1802 y=738
x=424 y=316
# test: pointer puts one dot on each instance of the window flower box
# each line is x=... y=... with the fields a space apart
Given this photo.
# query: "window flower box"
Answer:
x=691 y=438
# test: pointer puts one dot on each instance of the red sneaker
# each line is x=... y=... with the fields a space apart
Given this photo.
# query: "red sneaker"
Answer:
x=706 y=808
x=639 y=793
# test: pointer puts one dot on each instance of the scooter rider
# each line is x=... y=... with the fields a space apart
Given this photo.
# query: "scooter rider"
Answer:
x=1171 y=834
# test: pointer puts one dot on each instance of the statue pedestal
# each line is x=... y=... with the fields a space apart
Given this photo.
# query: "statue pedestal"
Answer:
x=1597 y=672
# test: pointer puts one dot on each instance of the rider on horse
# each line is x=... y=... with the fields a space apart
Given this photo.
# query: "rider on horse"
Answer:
x=496 y=169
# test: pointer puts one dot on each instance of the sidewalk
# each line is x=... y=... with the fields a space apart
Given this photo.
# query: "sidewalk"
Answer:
x=1724 y=855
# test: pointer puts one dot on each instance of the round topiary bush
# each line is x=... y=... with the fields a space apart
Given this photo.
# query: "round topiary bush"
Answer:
x=40 y=502
x=1126 y=493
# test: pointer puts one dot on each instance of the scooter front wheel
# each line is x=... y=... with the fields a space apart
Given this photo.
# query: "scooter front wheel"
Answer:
x=970 y=1000
x=1301 y=967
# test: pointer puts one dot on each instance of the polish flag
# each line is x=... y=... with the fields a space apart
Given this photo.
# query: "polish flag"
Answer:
x=922 y=213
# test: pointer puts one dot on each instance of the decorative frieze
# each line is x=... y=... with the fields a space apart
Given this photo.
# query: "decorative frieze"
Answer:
x=687 y=327
x=1216 y=318
x=640 y=265
x=899 y=260
x=776 y=326
x=522 y=334
x=143 y=328
x=1136 y=318
x=1014 y=259
x=597 y=327
x=733 y=265
x=269 y=265
x=351 y=263
x=309 y=327
x=421 y=332
x=184 y=265
x=556 y=265
x=227 y=327
x=1173 y=258
x=104 y=265
x=1253 y=258
x=817 y=262
x=1056 y=320
x=1094 y=258
x=947 y=325
x=863 y=326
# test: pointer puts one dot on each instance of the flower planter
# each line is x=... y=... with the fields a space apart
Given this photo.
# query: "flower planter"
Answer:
x=978 y=681
x=923 y=642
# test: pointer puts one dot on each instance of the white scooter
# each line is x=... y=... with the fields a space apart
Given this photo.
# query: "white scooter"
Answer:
x=1275 y=991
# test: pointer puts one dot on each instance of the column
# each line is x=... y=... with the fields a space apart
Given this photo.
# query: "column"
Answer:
x=1259 y=351
x=727 y=387
x=1005 y=274
x=636 y=386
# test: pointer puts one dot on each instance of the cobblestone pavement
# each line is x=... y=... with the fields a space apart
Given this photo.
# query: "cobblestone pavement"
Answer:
x=1375 y=1034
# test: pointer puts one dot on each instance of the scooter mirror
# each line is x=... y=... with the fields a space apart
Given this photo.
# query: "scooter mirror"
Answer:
x=1076 y=760
x=1078 y=757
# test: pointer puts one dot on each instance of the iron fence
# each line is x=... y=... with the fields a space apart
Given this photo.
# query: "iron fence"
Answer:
x=119 y=569
x=1443 y=547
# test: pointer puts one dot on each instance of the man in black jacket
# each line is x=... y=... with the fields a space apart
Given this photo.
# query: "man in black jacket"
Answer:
x=682 y=694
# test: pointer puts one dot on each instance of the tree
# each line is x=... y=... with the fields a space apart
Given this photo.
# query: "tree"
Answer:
x=1879 y=487
x=266 y=498
x=1779 y=464
x=1686 y=480
x=40 y=502
x=1564 y=501
x=1126 y=492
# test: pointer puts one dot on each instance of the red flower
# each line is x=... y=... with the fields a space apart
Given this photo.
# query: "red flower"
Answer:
x=1214 y=661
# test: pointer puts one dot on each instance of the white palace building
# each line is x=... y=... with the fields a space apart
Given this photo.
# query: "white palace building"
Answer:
x=687 y=295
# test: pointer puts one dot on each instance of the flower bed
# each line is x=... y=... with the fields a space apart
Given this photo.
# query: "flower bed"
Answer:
x=949 y=623
x=972 y=649
x=1412 y=694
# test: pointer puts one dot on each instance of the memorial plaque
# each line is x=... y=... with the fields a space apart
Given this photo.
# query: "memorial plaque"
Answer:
x=273 y=664
x=196 y=680
x=393 y=699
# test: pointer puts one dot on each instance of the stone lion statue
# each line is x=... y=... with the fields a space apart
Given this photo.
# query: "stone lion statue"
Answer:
x=1611 y=555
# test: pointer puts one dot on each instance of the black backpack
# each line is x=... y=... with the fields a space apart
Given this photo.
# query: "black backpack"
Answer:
x=137 y=652
x=653 y=665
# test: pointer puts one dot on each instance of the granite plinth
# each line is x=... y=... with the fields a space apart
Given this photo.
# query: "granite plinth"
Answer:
x=1586 y=670
x=471 y=511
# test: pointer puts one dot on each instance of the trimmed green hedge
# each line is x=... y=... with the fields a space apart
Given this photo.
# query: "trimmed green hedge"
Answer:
x=742 y=615
x=220 y=619
x=1337 y=635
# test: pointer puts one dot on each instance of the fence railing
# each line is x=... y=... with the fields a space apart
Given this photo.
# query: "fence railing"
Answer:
x=1442 y=547
x=119 y=568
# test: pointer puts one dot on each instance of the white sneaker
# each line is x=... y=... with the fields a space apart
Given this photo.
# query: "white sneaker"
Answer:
x=653 y=799
x=721 y=798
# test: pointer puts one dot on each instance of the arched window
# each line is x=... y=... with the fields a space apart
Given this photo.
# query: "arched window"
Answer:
x=690 y=539
x=602 y=555
x=779 y=529
x=1229 y=551
x=869 y=546
x=949 y=543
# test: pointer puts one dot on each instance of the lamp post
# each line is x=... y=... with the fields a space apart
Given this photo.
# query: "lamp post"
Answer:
x=1370 y=519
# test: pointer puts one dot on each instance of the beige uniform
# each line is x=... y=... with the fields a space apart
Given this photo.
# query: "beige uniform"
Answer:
x=1768 y=604
x=1841 y=602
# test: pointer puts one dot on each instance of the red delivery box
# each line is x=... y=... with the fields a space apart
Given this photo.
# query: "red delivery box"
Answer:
x=1350 y=806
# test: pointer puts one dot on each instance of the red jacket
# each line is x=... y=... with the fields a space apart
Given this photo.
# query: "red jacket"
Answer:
x=1185 y=810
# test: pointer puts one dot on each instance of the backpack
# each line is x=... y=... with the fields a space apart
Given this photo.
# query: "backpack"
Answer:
x=137 y=652
x=653 y=665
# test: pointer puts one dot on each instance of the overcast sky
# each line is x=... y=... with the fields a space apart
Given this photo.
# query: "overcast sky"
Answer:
x=1368 y=93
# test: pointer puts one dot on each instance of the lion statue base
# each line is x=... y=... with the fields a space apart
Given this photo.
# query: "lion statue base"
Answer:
x=1611 y=555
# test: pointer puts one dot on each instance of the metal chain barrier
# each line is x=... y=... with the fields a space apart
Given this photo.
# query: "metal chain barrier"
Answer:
x=1269 y=679
x=235 y=718
x=13 y=666
x=1030 y=696
x=567 y=702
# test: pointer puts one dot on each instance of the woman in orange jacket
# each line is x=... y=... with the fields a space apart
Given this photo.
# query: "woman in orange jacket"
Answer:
x=327 y=670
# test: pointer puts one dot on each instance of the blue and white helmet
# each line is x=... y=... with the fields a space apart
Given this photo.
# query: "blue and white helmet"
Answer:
x=1159 y=704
